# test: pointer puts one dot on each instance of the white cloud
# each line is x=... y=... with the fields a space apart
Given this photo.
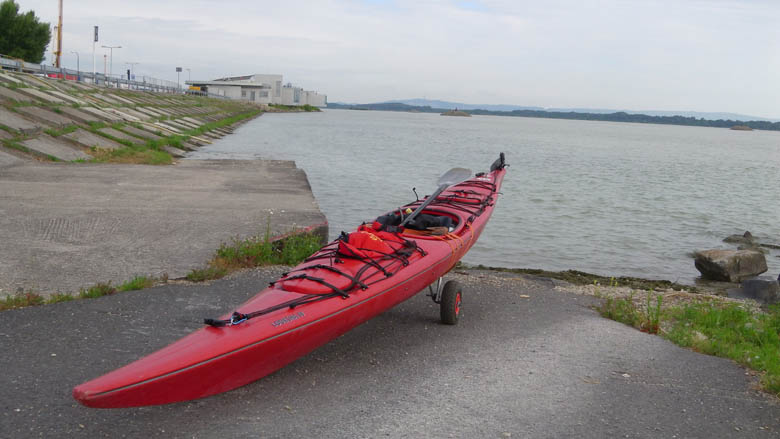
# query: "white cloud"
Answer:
x=715 y=55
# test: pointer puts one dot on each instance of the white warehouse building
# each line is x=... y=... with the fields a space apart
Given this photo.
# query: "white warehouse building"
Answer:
x=261 y=89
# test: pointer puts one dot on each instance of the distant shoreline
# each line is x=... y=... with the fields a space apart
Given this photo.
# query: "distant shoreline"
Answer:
x=619 y=116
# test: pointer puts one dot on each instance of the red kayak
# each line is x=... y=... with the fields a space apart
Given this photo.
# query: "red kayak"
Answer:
x=347 y=282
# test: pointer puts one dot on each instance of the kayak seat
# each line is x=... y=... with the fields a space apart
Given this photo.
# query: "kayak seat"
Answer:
x=423 y=221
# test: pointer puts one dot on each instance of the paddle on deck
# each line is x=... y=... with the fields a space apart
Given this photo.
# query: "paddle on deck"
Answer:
x=451 y=177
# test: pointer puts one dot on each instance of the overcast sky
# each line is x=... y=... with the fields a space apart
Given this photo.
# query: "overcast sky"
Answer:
x=698 y=55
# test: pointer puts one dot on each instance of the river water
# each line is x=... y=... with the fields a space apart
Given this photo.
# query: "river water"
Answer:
x=604 y=197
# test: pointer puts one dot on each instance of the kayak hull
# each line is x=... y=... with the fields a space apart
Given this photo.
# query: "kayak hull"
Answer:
x=213 y=360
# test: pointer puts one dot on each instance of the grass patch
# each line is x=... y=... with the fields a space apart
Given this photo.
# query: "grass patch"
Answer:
x=99 y=290
x=137 y=283
x=58 y=132
x=136 y=154
x=731 y=331
x=625 y=311
x=175 y=140
x=258 y=251
x=57 y=298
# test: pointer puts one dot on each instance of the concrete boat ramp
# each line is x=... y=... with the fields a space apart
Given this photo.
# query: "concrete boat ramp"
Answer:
x=68 y=226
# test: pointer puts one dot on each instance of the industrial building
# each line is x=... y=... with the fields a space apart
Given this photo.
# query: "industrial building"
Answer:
x=261 y=89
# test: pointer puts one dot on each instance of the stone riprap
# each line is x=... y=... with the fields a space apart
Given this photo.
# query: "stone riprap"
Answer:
x=140 y=133
x=66 y=97
x=78 y=116
x=16 y=122
x=48 y=118
x=103 y=115
x=7 y=93
x=120 y=135
x=88 y=140
x=50 y=146
x=41 y=95
x=57 y=104
x=176 y=152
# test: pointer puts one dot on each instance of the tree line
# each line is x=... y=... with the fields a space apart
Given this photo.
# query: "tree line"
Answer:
x=619 y=116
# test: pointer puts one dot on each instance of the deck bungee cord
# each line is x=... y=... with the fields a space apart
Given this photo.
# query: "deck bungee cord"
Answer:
x=336 y=252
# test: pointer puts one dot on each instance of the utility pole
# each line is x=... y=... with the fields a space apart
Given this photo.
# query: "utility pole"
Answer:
x=59 y=40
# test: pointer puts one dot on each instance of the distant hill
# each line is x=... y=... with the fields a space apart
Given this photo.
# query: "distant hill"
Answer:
x=619 y=116
x=490 y=107
x=461 y=106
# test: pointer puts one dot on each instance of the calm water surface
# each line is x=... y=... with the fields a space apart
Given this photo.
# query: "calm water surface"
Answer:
x=603 y=197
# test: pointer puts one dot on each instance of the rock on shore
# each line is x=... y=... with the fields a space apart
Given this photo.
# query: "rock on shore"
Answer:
x=730 y=265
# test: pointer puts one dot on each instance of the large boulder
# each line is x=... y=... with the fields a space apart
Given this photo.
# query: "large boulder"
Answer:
x=730 y=265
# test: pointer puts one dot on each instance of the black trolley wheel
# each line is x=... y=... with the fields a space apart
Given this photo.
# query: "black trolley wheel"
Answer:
x=451 y=301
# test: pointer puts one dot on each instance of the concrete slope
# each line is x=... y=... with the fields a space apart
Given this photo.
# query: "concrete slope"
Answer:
x=545 y=366
x=65 y=227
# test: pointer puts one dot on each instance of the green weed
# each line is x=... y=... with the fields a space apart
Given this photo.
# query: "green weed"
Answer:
x=208 y=273
x=98 y=290
x=137 y=283
x=258 y=251
x=621 y=310
x=58 y=132
x=21 y=300
x=57 y=298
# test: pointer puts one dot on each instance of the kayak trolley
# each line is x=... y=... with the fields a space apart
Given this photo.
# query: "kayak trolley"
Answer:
x=449 y=297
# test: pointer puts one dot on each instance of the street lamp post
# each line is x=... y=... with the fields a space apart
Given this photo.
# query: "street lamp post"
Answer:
x=78 y=66
x=111 y=56
x=189 y=75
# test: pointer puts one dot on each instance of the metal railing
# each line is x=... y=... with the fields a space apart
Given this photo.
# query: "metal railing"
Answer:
x=147 y=83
